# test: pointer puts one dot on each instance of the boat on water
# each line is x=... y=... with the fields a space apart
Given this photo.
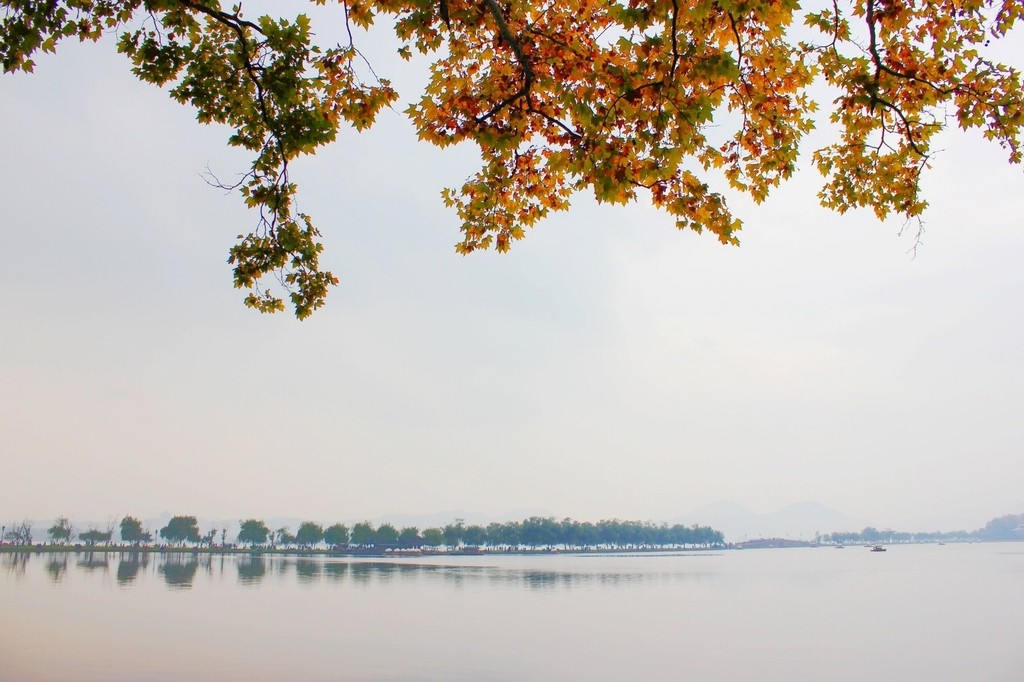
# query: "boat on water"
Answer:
x=838 y=546
x=878 y=548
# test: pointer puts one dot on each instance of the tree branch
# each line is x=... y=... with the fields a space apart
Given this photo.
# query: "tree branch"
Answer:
x=232 y=20
x=555 y=121
x=517 y=49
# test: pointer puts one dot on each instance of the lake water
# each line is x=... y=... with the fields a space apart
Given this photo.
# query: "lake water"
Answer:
x=914 y=613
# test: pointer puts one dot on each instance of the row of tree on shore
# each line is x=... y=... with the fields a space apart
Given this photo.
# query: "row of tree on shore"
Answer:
x=533 y=533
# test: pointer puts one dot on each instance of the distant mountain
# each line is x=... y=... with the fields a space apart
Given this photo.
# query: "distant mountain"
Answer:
x=796 y=521
x=1009 y=527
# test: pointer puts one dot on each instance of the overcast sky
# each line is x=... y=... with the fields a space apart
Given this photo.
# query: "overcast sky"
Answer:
x=608 y=366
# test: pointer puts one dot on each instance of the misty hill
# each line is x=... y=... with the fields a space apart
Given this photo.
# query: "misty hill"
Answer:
x=1009 y=527
x=796 y=521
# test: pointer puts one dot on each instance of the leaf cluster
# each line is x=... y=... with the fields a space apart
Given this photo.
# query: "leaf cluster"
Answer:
x=181 y=529
x=132 y=531
x=61 y=531
x=678 y=100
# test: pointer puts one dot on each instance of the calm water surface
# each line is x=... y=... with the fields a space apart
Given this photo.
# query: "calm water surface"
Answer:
x=915 y=613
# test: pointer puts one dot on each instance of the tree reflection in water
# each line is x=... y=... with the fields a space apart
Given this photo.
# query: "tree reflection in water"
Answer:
x=91 y=561
x=129 y=565
x=251 y=570
x=179 y=570
x=361 y=573
x=57 y=566
x=15 y=563
x=336 y=571
x=308 y=570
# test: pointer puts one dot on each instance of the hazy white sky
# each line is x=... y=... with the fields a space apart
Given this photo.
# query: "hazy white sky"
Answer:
x=609 y=366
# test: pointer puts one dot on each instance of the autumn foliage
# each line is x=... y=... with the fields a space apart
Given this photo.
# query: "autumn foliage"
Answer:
x=675 y=100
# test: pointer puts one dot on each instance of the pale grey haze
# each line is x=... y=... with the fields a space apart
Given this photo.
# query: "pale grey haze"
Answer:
x=610 y=366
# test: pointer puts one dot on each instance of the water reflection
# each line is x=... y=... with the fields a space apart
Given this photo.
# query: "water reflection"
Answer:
x=57 y=567
x=181 y=570
x=129 y=565
x=251 y=570
x=336 y=571
x=15 y=563
x=307 y=570
x=94 y=561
